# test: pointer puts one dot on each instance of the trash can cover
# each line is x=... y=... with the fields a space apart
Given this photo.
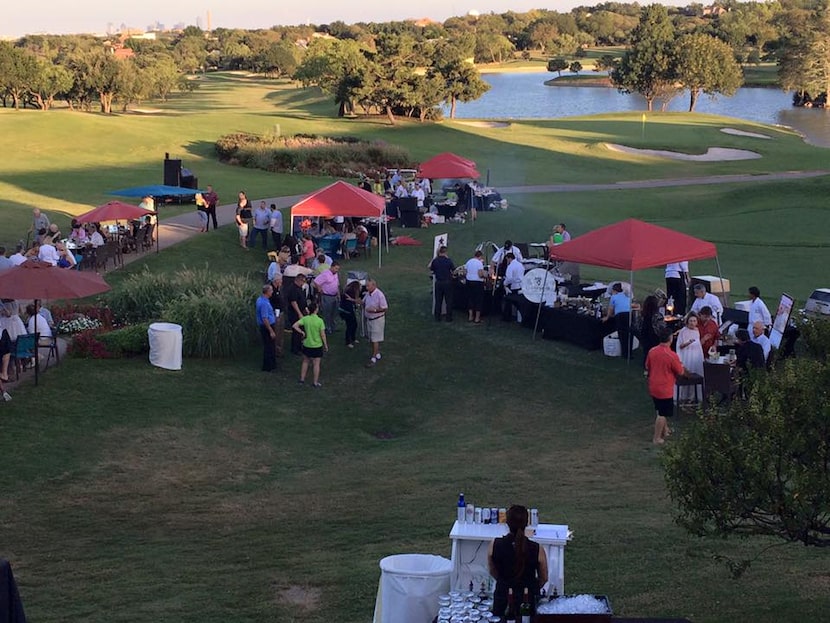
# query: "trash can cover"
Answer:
x=416 y=564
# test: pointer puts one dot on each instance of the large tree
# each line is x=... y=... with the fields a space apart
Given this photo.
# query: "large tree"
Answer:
x=706 y=64
x=648 y=68
x=18 y=71
x=762 y=466
x=805 y=62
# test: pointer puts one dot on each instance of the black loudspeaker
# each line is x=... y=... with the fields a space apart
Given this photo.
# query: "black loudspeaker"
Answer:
x=172 y=172
x=408 y=204
x=410 y=218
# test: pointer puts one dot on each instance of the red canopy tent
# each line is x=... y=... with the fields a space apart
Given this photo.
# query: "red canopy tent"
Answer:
x=633 y=245
x=448 y=155
x=343 y=199
x=448 y=166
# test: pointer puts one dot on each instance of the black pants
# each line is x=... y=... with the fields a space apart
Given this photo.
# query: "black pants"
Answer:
x=211 y=212
x=252 y=236
x=676 y=288
x=351 y=326
x=276 y=238
x=623 y=326
x=269 y=350
x=507 y=305
x=443 y=294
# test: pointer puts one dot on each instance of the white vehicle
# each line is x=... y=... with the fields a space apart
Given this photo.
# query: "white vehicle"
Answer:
x=819 y=302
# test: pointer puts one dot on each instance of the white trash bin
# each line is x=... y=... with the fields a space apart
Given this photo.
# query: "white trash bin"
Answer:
x=410 y=585
x=165 y=345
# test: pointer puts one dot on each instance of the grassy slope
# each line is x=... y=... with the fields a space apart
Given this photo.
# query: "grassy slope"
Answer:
x=144 y=495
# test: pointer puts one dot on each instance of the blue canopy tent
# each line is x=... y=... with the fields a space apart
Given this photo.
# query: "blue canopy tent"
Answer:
x=157 y=191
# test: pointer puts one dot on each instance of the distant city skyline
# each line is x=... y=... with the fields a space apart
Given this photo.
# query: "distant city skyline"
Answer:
x=94 y=16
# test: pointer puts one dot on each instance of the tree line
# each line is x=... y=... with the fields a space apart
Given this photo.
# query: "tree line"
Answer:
x=408 y=68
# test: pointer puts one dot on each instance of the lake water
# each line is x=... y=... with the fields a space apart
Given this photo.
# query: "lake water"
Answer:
x=525 y=96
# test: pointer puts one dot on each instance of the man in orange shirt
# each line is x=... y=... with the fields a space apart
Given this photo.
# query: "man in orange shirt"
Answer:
x=663 y=367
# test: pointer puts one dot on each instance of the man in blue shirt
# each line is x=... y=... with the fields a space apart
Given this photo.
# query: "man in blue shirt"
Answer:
x=262 y=222
x=266 y=319
x=619 y=308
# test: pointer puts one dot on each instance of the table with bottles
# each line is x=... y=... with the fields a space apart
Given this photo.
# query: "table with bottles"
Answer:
x=470 y=542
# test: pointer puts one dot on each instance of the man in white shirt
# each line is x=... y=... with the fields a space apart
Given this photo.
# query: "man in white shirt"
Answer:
x=512 y=283
x=758 y=311
x=677 y=284
x=48 y=253
x=704 y=298
x=418 y=193
x=95 y=237
x=17 y=258
x=759 y=338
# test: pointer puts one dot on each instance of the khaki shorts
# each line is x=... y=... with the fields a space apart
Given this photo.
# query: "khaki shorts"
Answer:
x=243 y=230
x=374 y=328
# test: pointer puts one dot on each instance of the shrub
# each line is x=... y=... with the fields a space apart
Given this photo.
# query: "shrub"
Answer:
x=87 y=345
x=215 y=311
x=72 y=311
x=218 y=323
x=128 y=341
x=143 y=296
x=342 y=156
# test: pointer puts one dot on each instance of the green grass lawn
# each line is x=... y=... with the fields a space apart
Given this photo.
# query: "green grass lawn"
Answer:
x=221 y=494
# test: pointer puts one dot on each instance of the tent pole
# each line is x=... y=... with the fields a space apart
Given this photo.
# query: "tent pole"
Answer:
x=720 y=276
x=37 y=345
x=541 y=301
x=630 y=315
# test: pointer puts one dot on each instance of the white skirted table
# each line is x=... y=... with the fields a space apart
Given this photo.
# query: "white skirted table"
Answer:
x=470 y=542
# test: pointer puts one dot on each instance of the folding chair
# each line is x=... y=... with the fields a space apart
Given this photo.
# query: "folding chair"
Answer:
x=23 y=351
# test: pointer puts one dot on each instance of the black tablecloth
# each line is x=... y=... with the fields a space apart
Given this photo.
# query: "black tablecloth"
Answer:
x=11 y=608
x=580 y=329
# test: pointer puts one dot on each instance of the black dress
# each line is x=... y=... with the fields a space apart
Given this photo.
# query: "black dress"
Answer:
x=504 y=557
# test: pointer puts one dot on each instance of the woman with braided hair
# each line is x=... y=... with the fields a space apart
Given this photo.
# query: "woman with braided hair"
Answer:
x=516 y=562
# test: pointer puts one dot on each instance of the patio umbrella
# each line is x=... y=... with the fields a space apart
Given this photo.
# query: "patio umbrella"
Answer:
x=114 y=211
x=40 y=280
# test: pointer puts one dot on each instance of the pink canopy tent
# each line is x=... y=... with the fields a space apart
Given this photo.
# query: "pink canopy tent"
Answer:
x=449 y=166
x=343 y=199
x=633 y=245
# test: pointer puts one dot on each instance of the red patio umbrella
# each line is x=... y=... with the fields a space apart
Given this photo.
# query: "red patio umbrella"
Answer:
x=40 y=280
x=113 y=211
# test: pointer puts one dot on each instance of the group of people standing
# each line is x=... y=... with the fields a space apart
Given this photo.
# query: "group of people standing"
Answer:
x=307 y=304
x=261 y=221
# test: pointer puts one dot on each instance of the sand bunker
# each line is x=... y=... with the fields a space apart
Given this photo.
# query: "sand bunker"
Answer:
x=486 y=124
x=147 y=111
x=713 y=154
x=735 y=132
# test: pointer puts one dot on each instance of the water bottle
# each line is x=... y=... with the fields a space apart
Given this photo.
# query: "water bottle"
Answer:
x=462 y=508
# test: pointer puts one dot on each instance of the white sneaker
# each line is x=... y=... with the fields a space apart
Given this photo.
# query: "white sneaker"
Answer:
x=7 y=396
x=377 y=357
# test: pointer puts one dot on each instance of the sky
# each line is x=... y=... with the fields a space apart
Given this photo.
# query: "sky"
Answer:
x=93 y=16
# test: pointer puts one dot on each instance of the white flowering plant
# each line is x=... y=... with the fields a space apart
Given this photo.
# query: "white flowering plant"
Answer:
x=78 y=324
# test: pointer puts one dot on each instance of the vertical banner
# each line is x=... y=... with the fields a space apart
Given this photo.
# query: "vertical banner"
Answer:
x=441 y=240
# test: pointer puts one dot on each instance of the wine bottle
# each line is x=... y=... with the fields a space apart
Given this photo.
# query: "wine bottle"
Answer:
x=510 y=615
x=462 y=508
x=524 y=608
